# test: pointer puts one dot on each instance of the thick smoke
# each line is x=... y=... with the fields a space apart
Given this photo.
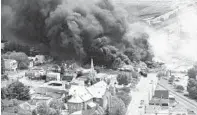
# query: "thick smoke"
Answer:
x=76 y=29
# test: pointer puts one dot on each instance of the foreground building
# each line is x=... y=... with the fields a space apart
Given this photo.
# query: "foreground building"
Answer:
x=81 y=99
x=87 y=98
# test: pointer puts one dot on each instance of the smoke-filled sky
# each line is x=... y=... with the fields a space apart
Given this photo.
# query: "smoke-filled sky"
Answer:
x=75 y=29
x=81 y=29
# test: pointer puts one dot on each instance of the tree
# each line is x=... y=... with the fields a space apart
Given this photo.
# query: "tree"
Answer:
x=57 y=105
x=117 y=63
x=192 y=88
x=2 y=66
x=18 y=90
x=124 y=78
x=52 y=109
x=117 y=106
x=192 y=73
x=125 y=97
x=179 y=88
x=4 y=93
x=14 y=46
x=20 y=57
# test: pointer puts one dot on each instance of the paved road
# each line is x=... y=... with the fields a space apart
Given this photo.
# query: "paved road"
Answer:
x=143 y=92
x=187 y=103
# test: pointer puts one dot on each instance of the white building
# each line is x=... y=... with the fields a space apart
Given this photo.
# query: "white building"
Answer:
x=11 y=64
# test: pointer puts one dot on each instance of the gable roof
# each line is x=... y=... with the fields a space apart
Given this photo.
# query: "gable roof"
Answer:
x=98 y=90
x=79 y=94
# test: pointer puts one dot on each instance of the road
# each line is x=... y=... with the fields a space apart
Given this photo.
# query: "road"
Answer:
x=143 y=91
x=187 y=103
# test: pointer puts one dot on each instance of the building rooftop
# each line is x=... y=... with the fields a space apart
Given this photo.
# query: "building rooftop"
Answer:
x=79 y=94
x=98 y=90
x=158 y=101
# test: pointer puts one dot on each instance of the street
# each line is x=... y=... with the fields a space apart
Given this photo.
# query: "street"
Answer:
x=144 y=89
x=186 y=102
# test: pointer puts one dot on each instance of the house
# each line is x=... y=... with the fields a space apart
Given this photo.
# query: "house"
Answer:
x=10 y=64
x=98 y=91
x=161 y=93
x=160 y=102
x=81 y=99
x=68 y=75
x=54 y=86
x=52 y=76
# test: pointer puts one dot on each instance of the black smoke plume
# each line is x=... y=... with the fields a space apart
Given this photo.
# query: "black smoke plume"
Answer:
x=72 y=29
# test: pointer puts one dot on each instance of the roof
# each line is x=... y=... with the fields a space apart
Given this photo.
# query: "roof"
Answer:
x=79 y=94
x=98 y=90
x=158 y=101
x=161 y=94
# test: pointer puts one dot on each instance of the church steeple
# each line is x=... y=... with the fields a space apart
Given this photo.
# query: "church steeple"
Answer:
x=92 y=65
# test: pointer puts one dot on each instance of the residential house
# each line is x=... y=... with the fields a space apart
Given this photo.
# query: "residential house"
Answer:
x=98 y=91
x=81 y=99
x=160 y=102
x=161 y=93
x=54 y=86
x=68 y=75
x=52 y=76
x=10 y=64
